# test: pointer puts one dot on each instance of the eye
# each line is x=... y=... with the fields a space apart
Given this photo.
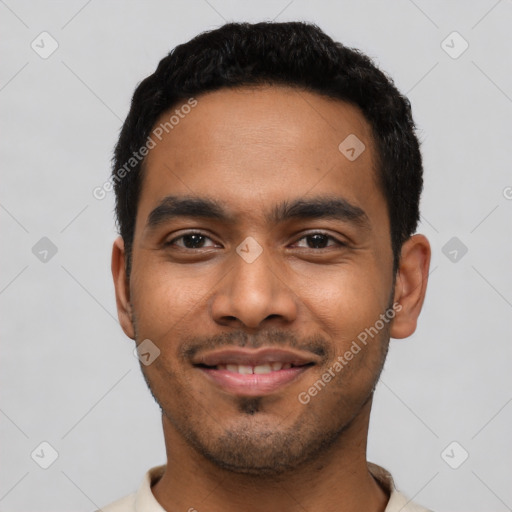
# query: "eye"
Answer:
x=319 y=241
x=192 y=240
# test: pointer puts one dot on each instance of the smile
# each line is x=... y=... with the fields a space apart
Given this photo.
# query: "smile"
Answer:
x=245 y=372
x=259 y=369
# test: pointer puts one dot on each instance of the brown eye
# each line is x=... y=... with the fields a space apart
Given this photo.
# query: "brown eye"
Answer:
x=191 y=241
x=319 y=241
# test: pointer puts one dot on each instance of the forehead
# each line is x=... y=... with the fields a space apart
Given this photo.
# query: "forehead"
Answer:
x=269 y=143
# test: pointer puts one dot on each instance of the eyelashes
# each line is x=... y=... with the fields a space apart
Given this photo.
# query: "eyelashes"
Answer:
x=197 y=240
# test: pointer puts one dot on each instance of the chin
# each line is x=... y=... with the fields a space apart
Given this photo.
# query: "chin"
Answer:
x=261 y=448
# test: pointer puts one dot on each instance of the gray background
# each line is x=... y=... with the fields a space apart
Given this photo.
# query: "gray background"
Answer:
x=67 y=372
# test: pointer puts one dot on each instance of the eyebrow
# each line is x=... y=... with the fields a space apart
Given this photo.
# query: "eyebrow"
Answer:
x=172 y=207
x=335 y=208
x=322 y=207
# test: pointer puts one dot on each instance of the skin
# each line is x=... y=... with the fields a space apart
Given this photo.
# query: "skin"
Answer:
x=252 y=149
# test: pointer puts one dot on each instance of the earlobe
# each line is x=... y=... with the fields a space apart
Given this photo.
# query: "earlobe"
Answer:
x=122 y=288
x=411 y=285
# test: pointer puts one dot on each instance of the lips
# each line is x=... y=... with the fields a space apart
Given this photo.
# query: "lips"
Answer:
x=246 y=372
x=248 y=357
x=258 y=369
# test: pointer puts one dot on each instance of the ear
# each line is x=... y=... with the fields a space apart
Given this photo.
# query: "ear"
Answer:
x=411 y=285
x=122 y=286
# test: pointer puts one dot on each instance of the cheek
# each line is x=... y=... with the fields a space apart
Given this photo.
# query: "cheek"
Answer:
x=345 y=300
x=164 y=299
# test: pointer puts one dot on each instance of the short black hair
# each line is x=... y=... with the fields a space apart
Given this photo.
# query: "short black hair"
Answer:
x=296 y=54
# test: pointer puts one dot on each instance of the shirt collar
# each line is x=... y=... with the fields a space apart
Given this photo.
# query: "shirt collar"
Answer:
x=146 y=502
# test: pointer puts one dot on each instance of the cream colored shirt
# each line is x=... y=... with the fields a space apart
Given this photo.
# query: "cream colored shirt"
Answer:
x=144 y=501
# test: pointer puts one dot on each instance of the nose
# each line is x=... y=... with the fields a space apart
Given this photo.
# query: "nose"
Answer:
x=254 y=293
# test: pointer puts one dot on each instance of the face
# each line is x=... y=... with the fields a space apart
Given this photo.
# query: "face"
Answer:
x=261 y=254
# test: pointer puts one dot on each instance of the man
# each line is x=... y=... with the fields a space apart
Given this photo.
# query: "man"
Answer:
x=267 y=183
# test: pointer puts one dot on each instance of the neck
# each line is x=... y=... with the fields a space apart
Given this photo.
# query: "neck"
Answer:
x=336 y=480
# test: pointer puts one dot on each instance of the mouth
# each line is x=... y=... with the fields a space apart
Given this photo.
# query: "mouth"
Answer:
x=244 y=372
x=259 y=369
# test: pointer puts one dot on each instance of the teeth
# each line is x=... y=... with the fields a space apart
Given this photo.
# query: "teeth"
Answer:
x=259 y=369
x=262 y=368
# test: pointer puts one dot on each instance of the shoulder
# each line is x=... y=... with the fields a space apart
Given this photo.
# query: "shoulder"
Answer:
x=126 y=504
x=143 y=499
x=398 y=502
